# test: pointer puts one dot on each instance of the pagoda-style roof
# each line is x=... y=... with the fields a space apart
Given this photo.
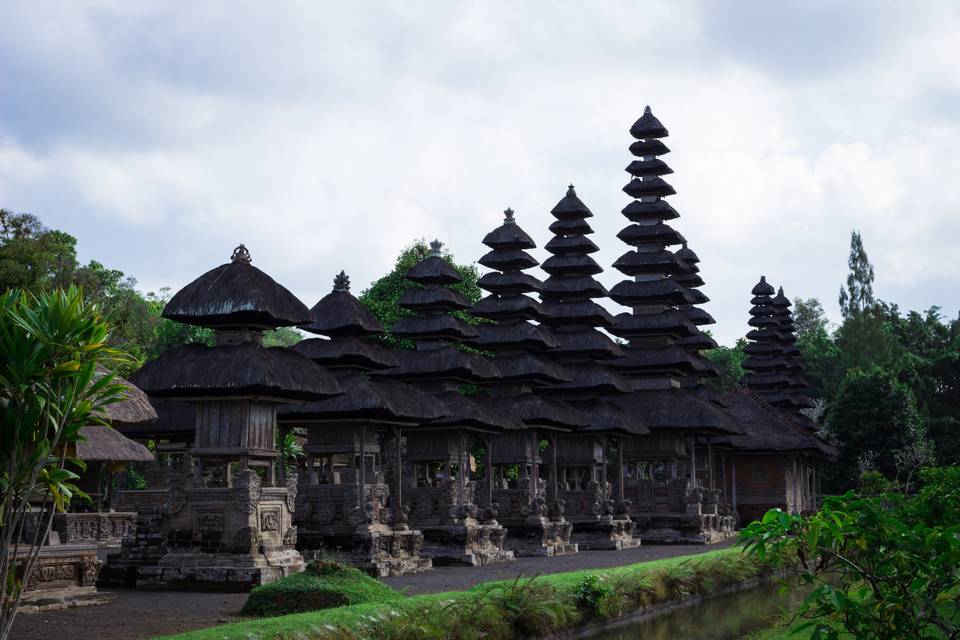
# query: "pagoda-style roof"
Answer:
x=494 y=307
x=434 y=327
x=245 y=369
x=589 y=379
x=445 y=363
x=570 y=207
x=508 y=235
x=587 y=312
x=647 y=126
x=433 y=269
x=677 y=409
x=236 y=294
x=606 y=417
x=537 y=411
x=513 y=335
x=673 y=322
x=530 y=369
x=432 y=299
x=765 y=429
x=586 y=342
x=339 y=313
x=175 y=420
x=374 y=400
x=346 y=352
x=480 y=413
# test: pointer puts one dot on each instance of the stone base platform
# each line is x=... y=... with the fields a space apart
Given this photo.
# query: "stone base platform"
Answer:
x=56 y=600
x=611 y=534
x=466 y=545
x=218 y=572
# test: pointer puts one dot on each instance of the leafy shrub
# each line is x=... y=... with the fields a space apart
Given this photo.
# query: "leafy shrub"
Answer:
x=590 y=594
x=322 y=586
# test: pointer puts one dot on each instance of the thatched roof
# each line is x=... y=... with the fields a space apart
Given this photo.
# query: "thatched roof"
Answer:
x=475 y=412
x=433 y=269
x=585 y=312
x=235 y=370
x=339 y=313
x=530 y=368
x=521 y=335
x=510 y=282
x=571 y=264
x=508 y=235
x=135 y=408
x=368 y=399
x=236 y=294
x=346 y=352
x=571 y=226
x=432 y=327
x=99 y=443
x=669 y=322
x=446 y=363
x=587 y=342
x=589 y=378
x=665 y=290
x=564 y=286
x=543 y=411
x=560 y=245
x=677 y=409
x=496 y=307
x=638 y=234
x=656 y=210
x=767 y=429
x=433 y=298
x=604 y=416
x=643 y=168
x=634 y=263
x=570 y=207
x=504 y=259
x=647 y=126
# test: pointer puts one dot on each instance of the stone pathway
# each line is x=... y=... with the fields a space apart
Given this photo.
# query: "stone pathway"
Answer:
x=144 y=614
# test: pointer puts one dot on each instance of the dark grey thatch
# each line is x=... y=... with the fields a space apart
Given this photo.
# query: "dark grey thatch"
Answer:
x=560 y=286
x=586 y=312
x=648 y=168
x=530 y=369
x=637 y=234
x=444 y=363
x=647 y=126
x=666 y=360
x=653 y=187
x=568 y=227
x=98 y=443
x=474 y=412
x=236 y=294
x=433 y=327
x=433 y=298
x=235 y=370
x=763 y=288
x=663 y=291
x=346 y=352
x=658 y=210
x=571 y=264
x=519 y=335
x=766 y=429
x=339 y=313
x=495 y=307
x=587 y=342
x=674 y=323
x=543 y=412
x=677 y=409
x=134 y=408
x=509 y=235
x=571 y=207
x=511 y=282
x=376 y=400
x=634 y=263
x=590 y=378
x=576 y=244
x=505 y=259
x=433 y=269
x=649 y=147
x=604 y=417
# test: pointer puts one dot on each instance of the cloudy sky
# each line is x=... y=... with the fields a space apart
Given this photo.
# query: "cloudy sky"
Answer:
x=327 y=136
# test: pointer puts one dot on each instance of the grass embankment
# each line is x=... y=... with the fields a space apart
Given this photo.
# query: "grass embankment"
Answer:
x=518 y=608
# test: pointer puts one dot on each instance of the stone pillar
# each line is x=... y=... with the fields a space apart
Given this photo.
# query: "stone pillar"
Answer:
x=733 y=481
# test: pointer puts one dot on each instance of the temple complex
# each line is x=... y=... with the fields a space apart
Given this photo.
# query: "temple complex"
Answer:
x=438 y=483
x=343 y=491
x=229 y=523
x=590 y=487
x=663 y=363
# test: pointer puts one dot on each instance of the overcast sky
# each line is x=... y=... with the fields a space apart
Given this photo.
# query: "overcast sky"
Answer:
x=327 y=136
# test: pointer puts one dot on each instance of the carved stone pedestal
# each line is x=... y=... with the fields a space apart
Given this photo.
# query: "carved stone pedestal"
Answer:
x=470 y=544
x=610 y=533
x=65 y=576
x=542 y=536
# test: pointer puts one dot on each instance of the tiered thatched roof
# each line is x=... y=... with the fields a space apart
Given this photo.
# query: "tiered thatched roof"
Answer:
x=765 y=429
x=352 y=353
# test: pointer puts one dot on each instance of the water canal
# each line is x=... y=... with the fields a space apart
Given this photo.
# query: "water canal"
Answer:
x=725 y=617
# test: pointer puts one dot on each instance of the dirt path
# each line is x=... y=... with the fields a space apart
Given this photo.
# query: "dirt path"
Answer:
x=144 y=614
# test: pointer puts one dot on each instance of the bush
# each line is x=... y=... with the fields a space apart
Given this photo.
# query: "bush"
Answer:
x=322 y=586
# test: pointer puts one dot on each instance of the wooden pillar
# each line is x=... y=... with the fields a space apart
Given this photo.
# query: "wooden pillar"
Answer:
x=460 y=469
x=620 y=479
x=733 y=481
x=723 y=479
x=362 y=473
x=795 y=510
x=489 y=462
x=603 y=468
x=692 y=460
x=284 y=430
x=710 y=481
x=398 y=503
x=554 y=479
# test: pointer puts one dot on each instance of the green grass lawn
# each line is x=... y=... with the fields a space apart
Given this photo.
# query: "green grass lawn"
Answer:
x=502 y=609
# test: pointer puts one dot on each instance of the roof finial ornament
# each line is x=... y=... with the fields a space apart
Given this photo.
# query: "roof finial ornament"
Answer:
x=435 y=247
x=241 y=255
x=341 y=283
x=508 y=216
x=646 y=110
x=763 y=278
x=570 y=190
x=780 y=291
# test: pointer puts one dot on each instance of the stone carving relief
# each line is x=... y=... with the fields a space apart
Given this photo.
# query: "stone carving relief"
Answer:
x=247 y=491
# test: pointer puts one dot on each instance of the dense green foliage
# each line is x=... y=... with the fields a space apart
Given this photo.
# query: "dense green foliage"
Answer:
x=886 y=383
x=50 y=346
x=36 y=259
x=884 y=566
x=729 y=363
x=382 y=297
x=321 y=586
x=525 y=607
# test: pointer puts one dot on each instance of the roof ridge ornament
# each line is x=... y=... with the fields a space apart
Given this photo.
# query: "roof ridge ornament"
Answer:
x=435 y=247
x=241 y=255
x=646 y=110
x=341 y=283
x=508 y=216
x=570 y=190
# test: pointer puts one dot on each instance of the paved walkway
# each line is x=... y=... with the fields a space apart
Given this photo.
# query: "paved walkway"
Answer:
x=458 y=578
x=144 y=614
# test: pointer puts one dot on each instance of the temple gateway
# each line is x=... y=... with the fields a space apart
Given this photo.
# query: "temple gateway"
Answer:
x=548 y=417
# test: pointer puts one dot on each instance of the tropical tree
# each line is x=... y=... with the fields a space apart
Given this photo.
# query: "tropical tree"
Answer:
x=728 y=361
x=857 y=296
x=382 y=297
x=50 y=345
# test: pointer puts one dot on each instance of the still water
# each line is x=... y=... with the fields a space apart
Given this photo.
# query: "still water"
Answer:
x=722 y=618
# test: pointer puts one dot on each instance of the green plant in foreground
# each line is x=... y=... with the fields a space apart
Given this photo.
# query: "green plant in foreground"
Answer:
x=50 y=345
x=879 y=571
